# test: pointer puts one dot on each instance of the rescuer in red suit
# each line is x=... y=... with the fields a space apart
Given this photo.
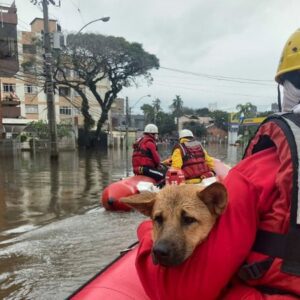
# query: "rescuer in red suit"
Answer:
x=253 y=252
x=145 y=157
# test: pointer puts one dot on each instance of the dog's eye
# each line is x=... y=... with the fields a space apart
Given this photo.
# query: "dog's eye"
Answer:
x=158 y=219
x=186 y=220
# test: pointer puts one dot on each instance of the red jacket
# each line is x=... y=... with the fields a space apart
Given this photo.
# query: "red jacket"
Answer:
x=145 y=153
x=254 y=202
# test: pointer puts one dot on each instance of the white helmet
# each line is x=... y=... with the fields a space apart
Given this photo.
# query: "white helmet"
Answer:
x=151 y=128
x=185 y=133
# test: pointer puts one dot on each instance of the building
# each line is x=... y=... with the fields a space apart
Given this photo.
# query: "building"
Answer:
x=194 y=119
x=215 y=134
x=23 y=60
x=9 y=64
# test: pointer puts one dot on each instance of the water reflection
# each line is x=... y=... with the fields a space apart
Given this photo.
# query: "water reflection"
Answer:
x=53 y=233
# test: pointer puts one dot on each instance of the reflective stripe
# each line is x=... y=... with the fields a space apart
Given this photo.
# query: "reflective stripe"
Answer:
x=296 y=132
x=155 y=172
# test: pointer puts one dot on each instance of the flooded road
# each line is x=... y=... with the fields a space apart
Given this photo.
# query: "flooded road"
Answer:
x=54 y=235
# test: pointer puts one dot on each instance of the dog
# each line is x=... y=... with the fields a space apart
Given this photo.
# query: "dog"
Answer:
x=182 y=215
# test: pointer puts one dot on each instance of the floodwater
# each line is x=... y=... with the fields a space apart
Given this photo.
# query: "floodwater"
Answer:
x=54 y=235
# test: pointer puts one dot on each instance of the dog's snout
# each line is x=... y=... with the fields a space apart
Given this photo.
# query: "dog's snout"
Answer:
x=161 y=250
x=162 y=253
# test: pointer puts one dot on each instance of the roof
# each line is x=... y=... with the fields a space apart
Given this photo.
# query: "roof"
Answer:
x=41 y=19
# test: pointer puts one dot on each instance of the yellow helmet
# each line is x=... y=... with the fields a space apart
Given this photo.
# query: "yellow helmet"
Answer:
x=290 y=57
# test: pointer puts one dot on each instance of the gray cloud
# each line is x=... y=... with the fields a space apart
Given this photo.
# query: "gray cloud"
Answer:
x=241 y=39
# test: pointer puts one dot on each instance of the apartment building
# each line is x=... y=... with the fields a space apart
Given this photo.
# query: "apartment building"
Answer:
x=20 y=61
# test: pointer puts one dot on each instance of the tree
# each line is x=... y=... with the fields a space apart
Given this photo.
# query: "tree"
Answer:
x=156 y=109
x=220 y=119
x=247 y=110
x=264 y=113
x=188 y=111
x=94 y=57
x=165 y=123
x=177 y=108
x=148 y=111
x=203 y=112
x=198 y=130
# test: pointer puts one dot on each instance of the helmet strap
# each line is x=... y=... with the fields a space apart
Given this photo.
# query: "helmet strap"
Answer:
x=279 y=97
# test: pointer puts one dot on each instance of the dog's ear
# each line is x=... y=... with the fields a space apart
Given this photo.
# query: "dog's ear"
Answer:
x=142 y=202
x=215 y=197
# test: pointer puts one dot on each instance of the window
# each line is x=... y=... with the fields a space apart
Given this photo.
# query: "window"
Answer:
x=31 y=109
x=65 y=110
x=29 y=49
x=8 y=48
x=9 y=87
x=64 y=91
x=29 y=89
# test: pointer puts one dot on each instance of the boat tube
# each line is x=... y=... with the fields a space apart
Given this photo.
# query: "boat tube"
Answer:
x=115 y=191
x=118 y=281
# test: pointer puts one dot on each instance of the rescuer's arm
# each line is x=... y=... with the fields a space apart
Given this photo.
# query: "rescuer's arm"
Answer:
x=155 y=154
x=209 y=160
x=210 y=268
x=176 y=159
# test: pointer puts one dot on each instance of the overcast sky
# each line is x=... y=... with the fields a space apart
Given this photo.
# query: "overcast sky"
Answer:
x=209 y=51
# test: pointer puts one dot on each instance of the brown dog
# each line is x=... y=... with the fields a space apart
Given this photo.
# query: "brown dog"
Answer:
x=182 y=215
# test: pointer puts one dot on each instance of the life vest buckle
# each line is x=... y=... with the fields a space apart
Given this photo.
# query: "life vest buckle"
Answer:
x=255 y=270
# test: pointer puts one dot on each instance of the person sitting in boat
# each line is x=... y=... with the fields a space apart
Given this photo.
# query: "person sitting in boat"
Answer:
x=253 y=252
x=190 y=156
x=145 y=157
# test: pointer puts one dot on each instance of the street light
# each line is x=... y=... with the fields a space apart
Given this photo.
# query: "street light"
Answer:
x=138 y=101
x=104 y=19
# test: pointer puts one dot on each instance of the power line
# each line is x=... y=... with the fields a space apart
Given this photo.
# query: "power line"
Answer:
x=221 y=77
x=207 y=91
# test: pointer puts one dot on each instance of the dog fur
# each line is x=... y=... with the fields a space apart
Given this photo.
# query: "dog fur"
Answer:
x=182 y=215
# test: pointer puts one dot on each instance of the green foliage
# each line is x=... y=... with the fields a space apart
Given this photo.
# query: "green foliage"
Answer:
x=199 y=130
x=156 y=107
x=220 y=118
x=165 y=123
x=40 y=130
x=188 y=111
x=23 y=138
x=148 y=111
x=264 y=114
x=177 y=106
x=248 y=110
x=202 y=112
x=95 y=57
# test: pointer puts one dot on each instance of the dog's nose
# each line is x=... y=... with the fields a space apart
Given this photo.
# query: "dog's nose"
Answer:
x=161 y=253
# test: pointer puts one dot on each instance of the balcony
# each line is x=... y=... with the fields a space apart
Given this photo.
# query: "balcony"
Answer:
x=10 y=108
x=6 y=102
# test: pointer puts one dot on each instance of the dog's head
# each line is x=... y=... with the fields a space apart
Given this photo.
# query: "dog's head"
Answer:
x=182 y=215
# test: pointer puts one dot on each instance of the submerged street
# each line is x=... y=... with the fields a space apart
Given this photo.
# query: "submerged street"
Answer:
x=54 y=234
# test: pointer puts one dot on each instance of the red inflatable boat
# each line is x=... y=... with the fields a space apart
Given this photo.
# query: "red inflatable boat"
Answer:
x=118 y=281
x=115 y=191
x=129 y=186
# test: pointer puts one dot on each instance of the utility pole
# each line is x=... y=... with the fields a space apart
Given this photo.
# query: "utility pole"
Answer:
x=127 y=121
x=1 y=120
x=49 y=89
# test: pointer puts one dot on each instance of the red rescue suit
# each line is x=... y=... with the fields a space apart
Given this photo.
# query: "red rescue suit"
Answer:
x=259 y=190
x=193 y=158
x=145 y=153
